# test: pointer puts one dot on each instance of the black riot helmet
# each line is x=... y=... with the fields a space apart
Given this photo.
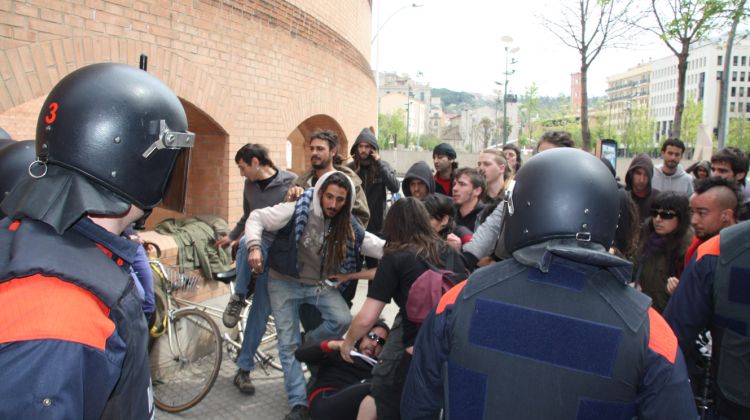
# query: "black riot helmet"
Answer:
x=15 y=159
x=121 y=128
x=561 y=193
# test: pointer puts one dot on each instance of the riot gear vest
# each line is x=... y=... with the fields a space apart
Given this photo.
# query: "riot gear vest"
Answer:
x=36 y=249
x=732 y=312
x=569 y=343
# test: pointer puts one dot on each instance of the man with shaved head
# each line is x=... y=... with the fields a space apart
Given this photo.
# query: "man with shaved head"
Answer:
x=714 y=206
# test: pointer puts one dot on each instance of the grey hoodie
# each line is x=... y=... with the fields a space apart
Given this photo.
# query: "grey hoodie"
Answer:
x=680 y=182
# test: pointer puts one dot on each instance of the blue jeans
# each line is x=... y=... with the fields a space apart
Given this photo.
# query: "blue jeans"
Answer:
x=286 y=297
x=260 y=309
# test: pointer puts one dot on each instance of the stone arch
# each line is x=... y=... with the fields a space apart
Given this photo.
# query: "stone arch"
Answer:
x=298 y=138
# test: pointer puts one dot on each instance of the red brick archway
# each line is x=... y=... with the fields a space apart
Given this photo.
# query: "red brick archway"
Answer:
x=300 y=135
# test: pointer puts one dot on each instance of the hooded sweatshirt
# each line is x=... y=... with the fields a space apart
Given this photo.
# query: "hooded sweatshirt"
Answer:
x=421 y=171
x=680 y=182
x=374 y=188
x=643 y=202
x=312 y=237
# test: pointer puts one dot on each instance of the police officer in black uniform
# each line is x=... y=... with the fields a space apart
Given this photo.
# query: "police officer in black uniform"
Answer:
x=111 y=143
x=555 y=331
x=15 y=158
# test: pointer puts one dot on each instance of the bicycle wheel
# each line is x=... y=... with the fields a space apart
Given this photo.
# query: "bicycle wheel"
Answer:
x=185 y=361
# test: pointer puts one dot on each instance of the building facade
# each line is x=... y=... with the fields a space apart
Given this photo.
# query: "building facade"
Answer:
x=246 y=71
x=627 y=92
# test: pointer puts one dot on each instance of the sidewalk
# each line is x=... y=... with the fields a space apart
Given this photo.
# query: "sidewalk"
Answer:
x=269 y=402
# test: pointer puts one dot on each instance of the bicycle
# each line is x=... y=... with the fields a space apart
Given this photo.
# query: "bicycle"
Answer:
x=184 y=350
x=186 y=384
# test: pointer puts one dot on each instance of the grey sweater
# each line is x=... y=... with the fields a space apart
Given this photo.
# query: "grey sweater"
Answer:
x=255 y=198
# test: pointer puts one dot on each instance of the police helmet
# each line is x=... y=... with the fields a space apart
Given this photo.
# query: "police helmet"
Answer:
x=121 y=128
x=561 y=193
x=15 y=159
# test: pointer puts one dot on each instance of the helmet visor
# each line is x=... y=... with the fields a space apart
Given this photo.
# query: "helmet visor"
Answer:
x=175 y=195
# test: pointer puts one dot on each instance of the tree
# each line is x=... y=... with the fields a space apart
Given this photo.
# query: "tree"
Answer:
x=392 y=128
x=737 y=13
x=529 y=113
x=739 y=133
x=692 y=117
x=589 y=27
x=638 y=136
x=486 y=130
x=682 y=23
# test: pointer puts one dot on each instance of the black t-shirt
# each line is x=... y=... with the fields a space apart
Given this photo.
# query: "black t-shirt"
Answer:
x=263 y=183
x=396 y=272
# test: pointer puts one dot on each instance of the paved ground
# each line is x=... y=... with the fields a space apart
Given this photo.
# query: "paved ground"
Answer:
x=269 y=402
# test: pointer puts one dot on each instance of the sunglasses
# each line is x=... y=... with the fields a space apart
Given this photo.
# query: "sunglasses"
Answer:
x=380 y=340
x=665 y=215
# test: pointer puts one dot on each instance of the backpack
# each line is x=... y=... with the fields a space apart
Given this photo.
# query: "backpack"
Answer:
x=427 y=289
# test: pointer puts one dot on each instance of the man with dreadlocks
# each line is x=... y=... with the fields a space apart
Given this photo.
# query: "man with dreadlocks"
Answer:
x=317 y=237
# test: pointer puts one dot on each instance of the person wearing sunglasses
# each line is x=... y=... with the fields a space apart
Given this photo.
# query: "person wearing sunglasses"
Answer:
x=340 y=386
x=665 y=237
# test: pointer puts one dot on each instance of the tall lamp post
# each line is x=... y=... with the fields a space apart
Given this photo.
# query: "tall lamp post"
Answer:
x=507 y=40
x=377 y=49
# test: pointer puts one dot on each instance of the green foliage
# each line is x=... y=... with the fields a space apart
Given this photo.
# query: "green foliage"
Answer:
x=392 y=129
x=428 y=141
x=638 y=136
x=529 y=115
x=692 y=117
x=739 y=134
x=486 y=130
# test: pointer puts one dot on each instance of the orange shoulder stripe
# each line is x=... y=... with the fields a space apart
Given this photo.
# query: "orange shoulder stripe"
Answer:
x=47 y=308
x=710 y=247
x=449 y=298
x=661 y=338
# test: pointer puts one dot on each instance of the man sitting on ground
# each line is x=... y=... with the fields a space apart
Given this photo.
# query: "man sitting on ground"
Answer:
x=340 y=386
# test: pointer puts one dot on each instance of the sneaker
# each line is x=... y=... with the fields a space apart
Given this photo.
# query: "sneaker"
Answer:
x=299 y=412
x=243 y=383
x=232 y=313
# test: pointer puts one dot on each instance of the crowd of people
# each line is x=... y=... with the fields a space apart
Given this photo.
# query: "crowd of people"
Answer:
x=575 y=295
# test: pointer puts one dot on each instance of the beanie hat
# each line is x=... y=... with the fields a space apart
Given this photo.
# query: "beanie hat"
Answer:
x=446 y=150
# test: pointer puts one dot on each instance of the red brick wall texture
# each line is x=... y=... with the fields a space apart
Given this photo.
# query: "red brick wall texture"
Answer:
x=260 y=71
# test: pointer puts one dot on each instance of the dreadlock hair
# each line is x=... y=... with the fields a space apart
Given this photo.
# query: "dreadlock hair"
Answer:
x=680 y=205
x=407 y=227
x=340 y=228
x=250 y=151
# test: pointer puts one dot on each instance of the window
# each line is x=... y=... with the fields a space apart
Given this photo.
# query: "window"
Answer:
x=731 y=107
x=734 y=76
x=742 y=91
x=735 y=60
x=742 y=76
x=747 y=107
x=719 y=61
x=744 y=60
x=733 y=92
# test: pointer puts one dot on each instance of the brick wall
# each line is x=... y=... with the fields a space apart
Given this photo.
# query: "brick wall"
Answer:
x=246 y=70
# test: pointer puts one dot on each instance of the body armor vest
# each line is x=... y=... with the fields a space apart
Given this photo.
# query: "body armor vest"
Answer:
x=34 y=248
x=732 y=306
x=569 y=343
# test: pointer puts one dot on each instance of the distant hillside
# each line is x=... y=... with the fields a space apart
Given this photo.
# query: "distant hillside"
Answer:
x=455 y=101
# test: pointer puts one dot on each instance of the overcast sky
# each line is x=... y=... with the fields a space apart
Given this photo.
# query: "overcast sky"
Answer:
x=457 y=45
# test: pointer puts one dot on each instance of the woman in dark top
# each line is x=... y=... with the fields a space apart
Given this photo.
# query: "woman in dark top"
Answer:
x=665 y=237
x=410 y=243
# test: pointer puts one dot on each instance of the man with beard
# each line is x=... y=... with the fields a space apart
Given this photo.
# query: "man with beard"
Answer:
x=324 y=146
x=340 y=386
x=376 y=175
x=638 y=183
x=713 y=206
x=444 y=159
x=317 y=237
x=731 y=163
x=670 y=176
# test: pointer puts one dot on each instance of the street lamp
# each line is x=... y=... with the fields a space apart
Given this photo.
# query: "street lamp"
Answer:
x=507 y=40
x=377 y=49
